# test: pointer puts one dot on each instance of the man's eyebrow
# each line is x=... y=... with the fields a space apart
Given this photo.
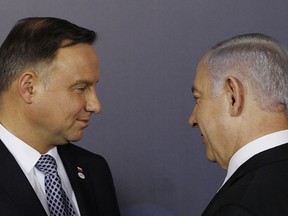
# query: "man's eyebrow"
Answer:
x=88 y=82
x=195 y=90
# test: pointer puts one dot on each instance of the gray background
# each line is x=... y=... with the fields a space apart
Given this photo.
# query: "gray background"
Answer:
x=149 y=51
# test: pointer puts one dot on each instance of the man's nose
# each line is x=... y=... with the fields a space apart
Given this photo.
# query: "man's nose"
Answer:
x=93 y=103
x=192 y=120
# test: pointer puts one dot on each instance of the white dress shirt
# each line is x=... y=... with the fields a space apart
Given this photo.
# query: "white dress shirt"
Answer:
x=27 y=157
x=249 y=150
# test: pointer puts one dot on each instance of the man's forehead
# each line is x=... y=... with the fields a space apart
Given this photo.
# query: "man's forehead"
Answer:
x=201 y=81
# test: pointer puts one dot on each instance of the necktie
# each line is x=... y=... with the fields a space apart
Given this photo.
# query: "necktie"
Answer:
x=58 y=202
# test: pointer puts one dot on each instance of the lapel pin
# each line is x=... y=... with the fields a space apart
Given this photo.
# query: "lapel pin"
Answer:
x=80 y=173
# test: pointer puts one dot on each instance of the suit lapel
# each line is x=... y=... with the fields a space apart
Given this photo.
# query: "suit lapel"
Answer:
x=81 y=186
x=262 y=159
x=16 y=186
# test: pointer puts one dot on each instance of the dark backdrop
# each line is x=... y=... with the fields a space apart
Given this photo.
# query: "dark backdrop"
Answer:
x=149 y=51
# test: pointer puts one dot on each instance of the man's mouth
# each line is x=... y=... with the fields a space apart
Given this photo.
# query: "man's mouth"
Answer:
x=84 y=122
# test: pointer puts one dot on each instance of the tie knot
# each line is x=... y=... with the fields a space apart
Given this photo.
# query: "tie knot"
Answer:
x=47 y=164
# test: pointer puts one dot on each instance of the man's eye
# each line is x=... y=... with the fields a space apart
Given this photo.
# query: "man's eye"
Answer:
x=80 y=88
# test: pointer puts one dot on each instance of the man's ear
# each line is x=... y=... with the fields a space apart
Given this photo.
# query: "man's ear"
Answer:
x=235 y=92
x=26 y=85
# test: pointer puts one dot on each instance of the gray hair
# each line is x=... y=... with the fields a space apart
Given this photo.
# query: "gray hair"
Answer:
x=259 y=61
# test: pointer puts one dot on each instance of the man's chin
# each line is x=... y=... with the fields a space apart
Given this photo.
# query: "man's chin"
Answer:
x=75 y=138
x=68 y=139
x=210 y=157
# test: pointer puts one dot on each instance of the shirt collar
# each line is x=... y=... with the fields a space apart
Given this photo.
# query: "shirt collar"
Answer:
x=259 y=145
x=25 y=155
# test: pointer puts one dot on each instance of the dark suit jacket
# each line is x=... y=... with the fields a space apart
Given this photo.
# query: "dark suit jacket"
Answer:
x=258 y=187
x=95 y=194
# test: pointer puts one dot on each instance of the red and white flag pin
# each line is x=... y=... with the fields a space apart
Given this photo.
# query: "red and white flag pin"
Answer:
x=80 y=173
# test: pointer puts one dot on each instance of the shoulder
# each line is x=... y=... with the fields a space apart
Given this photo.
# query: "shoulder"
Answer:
x=76 y=156
x=78 y=153
x=262 y=190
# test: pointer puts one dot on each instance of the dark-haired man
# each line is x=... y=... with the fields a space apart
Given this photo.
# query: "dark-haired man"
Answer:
x=49 y=70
